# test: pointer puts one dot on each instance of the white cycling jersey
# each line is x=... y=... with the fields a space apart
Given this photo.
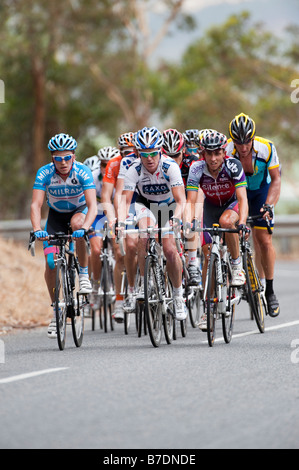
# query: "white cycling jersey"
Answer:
x=155 y=187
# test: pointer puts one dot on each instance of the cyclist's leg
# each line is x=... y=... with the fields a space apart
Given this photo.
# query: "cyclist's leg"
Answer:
x=229 y=219
x=77 y=220
x=96 y=244
x=56 y=222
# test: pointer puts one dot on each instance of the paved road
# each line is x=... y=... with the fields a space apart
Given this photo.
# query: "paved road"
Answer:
x=118 y=392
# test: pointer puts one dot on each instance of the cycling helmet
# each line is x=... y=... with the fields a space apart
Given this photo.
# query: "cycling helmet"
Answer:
x=191 y=137
x=242 y=128
x=93 y=163
x=148 y=138
x=106 y=153
x=213 y=140
x=62 y=142
x=173 y=141
x=126 y=140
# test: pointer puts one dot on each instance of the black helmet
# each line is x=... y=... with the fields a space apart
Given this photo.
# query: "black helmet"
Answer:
x=242 y=128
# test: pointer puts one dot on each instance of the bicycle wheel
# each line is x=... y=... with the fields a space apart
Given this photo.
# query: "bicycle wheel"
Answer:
x=254 y=291
x=79 y=303
x=152 y=303
x=61 y=304
x=194 y=305
x=212 y=300
x=228 y=317
x=106 y=287
x=168 y=317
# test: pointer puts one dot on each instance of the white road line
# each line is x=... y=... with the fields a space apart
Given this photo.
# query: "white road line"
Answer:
x=15 y=378
x=254 y=332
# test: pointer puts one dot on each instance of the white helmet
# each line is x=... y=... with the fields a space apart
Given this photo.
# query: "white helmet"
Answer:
x=93 y=162
x=106 y=153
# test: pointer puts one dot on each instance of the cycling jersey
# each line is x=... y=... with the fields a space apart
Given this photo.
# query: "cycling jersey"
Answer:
x=264 y=158
x=125 y=164
x=185 y=166
x=68 y=195
x=222 y=190
x=112 y=170
x=155 y=187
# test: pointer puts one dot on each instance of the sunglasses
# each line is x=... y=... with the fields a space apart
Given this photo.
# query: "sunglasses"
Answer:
x=149 y=154
x=67 y=158
x=126 y=153
x=174 y=155
x=192 y=149
x=239 y=142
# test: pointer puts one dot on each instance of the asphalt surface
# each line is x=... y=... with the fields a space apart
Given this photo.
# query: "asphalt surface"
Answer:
x=118 y=392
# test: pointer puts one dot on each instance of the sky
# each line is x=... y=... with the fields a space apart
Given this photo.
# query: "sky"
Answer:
x=275 y=14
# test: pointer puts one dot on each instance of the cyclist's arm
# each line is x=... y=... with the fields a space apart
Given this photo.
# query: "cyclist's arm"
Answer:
x=91 y=202
x=179 y=196
x=124 y=206
x=106 y=200
x=274 y=188
x=192 y=199
x=38 y=197
x=118 y=195
x=241 y=194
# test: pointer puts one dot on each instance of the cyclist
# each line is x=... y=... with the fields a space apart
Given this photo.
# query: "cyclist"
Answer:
x=71 y=198
x=223 y=189
x=192 y=143
x=110 y=199
x=174 y=146
x=97 y=165
x=126 y=144
x=261 y=165
x=159 y=184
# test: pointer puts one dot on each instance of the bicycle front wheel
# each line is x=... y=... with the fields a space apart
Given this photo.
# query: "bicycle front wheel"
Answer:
x=79 y=303
x=61 y=304
x=228 y=317
x=153 y=310
x=212 y=300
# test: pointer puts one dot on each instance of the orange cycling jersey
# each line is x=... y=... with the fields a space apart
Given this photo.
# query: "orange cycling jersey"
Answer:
x=112 y=170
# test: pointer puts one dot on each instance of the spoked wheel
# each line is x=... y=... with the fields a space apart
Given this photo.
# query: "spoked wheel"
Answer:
x=61 y=304
x=228 y=318
x=212 y=300
x=253 y=292
x=168 y=318
x=153 y=310
x=193 y=303
x=80 y=302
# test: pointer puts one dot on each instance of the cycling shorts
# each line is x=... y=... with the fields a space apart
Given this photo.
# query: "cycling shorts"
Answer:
x=212 y=214
x=256 y=200
x=58 y=222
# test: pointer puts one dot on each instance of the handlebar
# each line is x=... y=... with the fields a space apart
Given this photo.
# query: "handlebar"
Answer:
x=58 y=237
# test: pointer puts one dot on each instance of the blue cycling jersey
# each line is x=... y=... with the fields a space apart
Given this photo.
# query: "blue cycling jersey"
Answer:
x=68 y=195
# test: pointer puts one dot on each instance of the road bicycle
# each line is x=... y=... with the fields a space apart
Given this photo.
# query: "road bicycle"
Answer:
x=68 y=303
x=219 y=297
x=104 y=300
x=253 y=291
x=159 y=307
